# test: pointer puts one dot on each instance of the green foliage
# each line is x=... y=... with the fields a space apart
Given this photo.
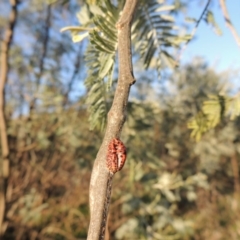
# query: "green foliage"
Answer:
x=99 y=56
x=170 y=187
x=47 y=175
x=211 y=21
x=213 y=111
x=171 y=178
x=154 y=34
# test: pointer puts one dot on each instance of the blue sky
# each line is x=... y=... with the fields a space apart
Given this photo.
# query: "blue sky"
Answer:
x=222 y=52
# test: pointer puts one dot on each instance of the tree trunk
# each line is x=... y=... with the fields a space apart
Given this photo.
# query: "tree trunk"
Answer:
x=4 y=159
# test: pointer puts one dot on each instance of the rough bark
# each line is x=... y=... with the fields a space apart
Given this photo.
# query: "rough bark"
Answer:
x=101 y=179
x=4 y=160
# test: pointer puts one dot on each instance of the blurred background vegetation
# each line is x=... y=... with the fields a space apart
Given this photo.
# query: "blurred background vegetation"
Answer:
x=171 y=187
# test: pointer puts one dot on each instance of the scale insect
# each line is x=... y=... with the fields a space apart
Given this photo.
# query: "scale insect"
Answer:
x=116 y=155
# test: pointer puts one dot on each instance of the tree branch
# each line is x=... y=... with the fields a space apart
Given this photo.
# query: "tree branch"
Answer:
x=77 y=66
x=194 y=29
x=43 y=56
x=228 y=21
x=4 y=160
x=101 y=179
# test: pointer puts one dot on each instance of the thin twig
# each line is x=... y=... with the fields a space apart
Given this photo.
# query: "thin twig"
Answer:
x=45 y=43
x=77 y=66
x=228 y=21
x=194 y=30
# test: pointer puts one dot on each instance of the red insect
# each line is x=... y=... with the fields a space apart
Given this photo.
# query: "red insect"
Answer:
x=116 y=155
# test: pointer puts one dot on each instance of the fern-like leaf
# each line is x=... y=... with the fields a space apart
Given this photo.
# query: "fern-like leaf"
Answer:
x=100 y=59
x=154 y=33
x=213 y=111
